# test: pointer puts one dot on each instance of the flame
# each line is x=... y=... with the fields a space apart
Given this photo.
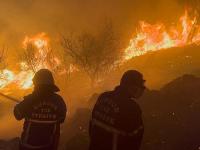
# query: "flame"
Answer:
x=40 y=43
x=149 y=37
x=6 y=77
x=10 y=80
x=157 y=36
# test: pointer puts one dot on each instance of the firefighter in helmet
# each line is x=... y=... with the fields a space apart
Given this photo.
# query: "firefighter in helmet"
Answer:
x=43 y=111
x=116 y=122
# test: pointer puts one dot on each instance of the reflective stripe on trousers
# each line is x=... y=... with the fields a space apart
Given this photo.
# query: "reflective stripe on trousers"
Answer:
x=115 y=131
x=30 y=121
x=115 y=141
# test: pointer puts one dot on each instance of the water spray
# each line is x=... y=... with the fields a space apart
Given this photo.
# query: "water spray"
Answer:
x=10 y=98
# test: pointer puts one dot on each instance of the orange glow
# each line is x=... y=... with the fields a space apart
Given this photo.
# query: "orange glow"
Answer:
x=40 y=43
x=6 y=77
x=10 y=80
x=157 y=36
x=39 y=40
x=149 y=37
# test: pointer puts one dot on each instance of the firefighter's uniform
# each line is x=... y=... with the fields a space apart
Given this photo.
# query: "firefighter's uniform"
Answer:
x=116 y=122
x=43 y=111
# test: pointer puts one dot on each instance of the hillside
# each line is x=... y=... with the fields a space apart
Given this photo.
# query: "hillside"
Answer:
x=161 y=67
x=170 y=112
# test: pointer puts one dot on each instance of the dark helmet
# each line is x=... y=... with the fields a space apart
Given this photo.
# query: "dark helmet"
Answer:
x=45 y=77
x=132 y=77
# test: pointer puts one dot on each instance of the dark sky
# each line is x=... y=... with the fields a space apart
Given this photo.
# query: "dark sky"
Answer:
x=28 y=17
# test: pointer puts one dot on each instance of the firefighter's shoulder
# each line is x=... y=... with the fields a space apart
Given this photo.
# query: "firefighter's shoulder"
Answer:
x=136 y=107
x=21 y=110
x=58 y=98
x=103 y=97
x=27 y=100
x=60 y=102
x=29 y=97
x=132 y=108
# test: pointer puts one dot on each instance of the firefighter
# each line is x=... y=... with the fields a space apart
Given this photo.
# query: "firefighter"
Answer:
x=43 y=111
x=116 y=122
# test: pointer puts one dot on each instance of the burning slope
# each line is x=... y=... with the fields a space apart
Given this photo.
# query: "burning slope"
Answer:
x=157 y=36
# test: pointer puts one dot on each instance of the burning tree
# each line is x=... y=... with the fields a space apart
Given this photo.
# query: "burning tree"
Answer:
x=29 y=57
x=37 y=54
x=3 y=58
x=95 y=55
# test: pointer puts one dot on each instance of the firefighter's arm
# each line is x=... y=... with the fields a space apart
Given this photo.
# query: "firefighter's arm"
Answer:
x=20 y=110
x=139 y=136
x=62 y=111
x=92 y=114
x=139 y=130
x=134 y=125
x=135 y=135
x=90 y=123
x=17 y=113
x=90 y=127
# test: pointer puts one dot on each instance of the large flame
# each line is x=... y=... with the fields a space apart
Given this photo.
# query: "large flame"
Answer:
x=43 y=57
x=157 y=36
x=148 y=38
x=40 y=41
x=10 y=80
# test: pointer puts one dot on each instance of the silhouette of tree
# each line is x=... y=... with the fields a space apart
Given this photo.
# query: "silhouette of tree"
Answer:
x=29 y=57
x=39 y=58
x=3 y=58
x=95 y=55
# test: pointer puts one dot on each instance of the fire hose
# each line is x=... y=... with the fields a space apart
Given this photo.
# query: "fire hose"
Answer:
x=10 y=98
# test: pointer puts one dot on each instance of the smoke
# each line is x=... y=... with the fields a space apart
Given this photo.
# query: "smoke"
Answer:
x=30 y=17
x=19 y=18
x=9 y=127
x=54 y=17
